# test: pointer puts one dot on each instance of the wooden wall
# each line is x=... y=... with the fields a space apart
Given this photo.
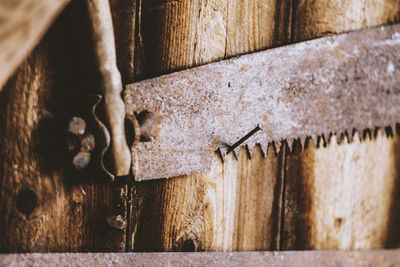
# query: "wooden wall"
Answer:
x=335 y=197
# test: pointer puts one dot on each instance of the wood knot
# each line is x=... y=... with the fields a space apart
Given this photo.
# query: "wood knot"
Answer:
x=26 y=202
x=117 y=222
x=188 y=246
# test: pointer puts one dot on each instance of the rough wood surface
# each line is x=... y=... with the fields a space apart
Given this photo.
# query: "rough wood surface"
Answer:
x=44 y=205
x=313 y=19
x=336 y=197
x=233 y=207
x=22 y=24
x=236 y=205
x=343 y=196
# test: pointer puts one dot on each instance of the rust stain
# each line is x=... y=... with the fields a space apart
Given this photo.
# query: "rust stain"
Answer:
x=291 y=91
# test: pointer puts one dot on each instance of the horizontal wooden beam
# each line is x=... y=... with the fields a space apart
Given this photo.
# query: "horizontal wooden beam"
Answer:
x=262 y=258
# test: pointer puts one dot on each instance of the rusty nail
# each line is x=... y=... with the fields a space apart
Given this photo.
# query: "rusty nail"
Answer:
x=244 y=138
x=81 y=160
x=117 y=222
x=87 y=143
x=77 y=126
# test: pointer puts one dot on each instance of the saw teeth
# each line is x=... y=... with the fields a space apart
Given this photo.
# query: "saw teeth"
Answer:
x=257 y=148
x=389 y=131
x=356 y=138
x=264 y=152
x=297 y=145
x=290 y=145
x=333 y=139
x=277 y=147
x=265 y=148
x=340 y=138
x=271 y=149
x=314 y=139
x=317 y=141
x=394 y=129
x=328 y=138
x=381 y=132
x=303 y=142
x=344 y=138
x=376 y=132
x=321 y=141
x=236 y=152
x=367 y=134
x=249 y=150
x=308 y=142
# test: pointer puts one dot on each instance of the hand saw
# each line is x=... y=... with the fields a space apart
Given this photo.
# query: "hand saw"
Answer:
x=325 y=86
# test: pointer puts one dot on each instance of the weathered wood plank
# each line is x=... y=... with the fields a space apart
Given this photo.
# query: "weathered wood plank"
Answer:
x=253 y=25
x=342 y=196
x=236 y=205
x=22 y=24
x=45 y=206
x=313 y=19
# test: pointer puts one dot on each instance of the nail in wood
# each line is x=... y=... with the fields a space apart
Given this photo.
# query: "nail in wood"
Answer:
x=244 y=138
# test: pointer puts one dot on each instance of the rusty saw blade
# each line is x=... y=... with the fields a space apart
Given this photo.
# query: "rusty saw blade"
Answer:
x=323 y=86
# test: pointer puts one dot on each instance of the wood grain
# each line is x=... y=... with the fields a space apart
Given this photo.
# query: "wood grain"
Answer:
x=342 y=196
x=22 y=24
x=313 y=19
x=253 y=25
x=233 y=207
x=44 y=205
x=219 y=210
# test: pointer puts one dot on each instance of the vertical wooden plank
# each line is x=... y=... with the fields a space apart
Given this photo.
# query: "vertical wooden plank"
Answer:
x=44 y=206
x=258 y=201
x=236 y=205
x=319 y=18
x=182 y=34
x=124 y=17
x=233 y=207
x=253 y=25
x=342 y=196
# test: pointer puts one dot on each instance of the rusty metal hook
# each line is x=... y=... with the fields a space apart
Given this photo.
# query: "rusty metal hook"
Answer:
x=112 y=131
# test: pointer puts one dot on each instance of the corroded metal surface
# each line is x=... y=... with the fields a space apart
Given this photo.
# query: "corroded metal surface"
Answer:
x=285 y=258
x=111 y=84
x=323 y=86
